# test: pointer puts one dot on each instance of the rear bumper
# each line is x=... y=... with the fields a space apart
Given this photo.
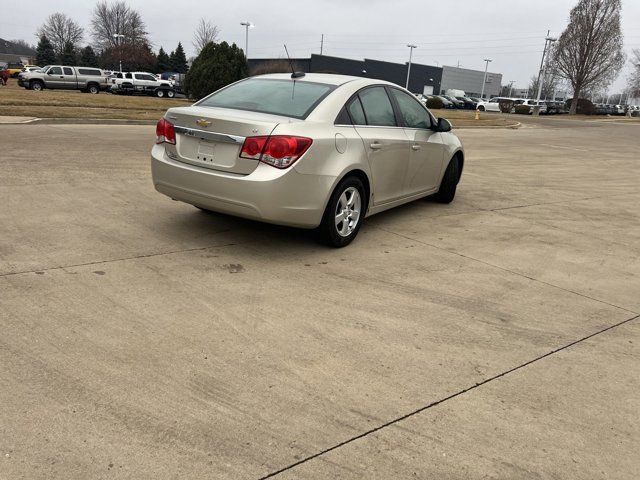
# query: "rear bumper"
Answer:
x=283 y=197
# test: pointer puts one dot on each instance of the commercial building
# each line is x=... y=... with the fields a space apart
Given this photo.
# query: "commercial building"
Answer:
x=425 y=79
x=471 y=81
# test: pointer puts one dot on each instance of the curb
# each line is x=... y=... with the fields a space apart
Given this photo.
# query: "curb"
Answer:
x=89 y=121
x=514 y=126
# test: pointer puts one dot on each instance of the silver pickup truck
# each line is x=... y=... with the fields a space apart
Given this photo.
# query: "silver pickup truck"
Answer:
x=86 y=79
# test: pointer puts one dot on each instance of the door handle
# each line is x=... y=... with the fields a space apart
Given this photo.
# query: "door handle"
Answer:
x=376 y=146
x=415 y=147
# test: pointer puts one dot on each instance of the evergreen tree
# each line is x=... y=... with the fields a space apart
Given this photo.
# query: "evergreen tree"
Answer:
x=88 y=57
x=68 y=55
x=218 y=65
x=45 y=55
x=164 y=62
x=178 y=60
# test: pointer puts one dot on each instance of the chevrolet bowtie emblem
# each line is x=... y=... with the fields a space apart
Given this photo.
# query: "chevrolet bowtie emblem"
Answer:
x=203 y=123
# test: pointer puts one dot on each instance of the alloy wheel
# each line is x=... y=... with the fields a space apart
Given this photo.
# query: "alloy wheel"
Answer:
x=348 y=209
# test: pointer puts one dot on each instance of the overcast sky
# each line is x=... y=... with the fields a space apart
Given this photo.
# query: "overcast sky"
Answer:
x=511 y=32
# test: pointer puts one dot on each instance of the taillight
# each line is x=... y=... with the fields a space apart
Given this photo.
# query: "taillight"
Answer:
x=280 y=151
x=165 y=133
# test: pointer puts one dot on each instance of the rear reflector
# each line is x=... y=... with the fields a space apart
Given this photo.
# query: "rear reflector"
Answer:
x=165 y=133
x=280 y=151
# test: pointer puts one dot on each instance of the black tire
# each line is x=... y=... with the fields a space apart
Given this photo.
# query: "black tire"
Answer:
x=449 y=183
x=160 y=93
x=481 y=108
x=171 y=93
x=93 y=89
x=328 y=230
x=36 y=85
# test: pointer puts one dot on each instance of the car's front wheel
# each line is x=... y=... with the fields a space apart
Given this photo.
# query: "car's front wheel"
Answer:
x=344 y=213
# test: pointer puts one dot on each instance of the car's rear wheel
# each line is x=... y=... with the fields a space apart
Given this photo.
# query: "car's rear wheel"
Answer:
x=93 y=89
x=160 y=93
x=449 y=183
x=344 y=213
x=171 y=94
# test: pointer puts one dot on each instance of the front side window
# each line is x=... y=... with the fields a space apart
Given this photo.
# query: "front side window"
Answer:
x=377 y=107
x=413 y=113
x=55 y=71
x=283 y=97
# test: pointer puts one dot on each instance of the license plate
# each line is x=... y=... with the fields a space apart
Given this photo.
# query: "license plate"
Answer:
x=206 y=152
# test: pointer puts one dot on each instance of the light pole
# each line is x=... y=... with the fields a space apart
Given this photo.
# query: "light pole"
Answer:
x=247 y=25
x=411 y=47
x=543 y=66
x=119 y=37
x=486 y=68
x=511 y=82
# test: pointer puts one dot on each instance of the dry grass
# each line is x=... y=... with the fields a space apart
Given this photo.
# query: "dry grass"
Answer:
x=466 y=118
x=17 y=101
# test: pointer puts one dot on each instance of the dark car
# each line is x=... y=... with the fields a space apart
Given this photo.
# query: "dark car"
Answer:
x=446 y=103
x=457 y=103
x=469 y=104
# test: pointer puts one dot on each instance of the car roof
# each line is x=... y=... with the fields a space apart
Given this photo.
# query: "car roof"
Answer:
x=328 y=78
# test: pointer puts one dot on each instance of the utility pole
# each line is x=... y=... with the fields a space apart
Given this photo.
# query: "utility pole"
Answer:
x=321 y=44
x=411 y=47
x=247 y=25
x=543 y=65
x=511 y=87
x=484 y=81
x=119 y=37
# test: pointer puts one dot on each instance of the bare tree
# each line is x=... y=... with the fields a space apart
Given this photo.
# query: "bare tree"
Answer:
x=116 y=23
x=589 y=51
x=60 y=30
x=206 y=32
x=23 y=43
x=634 y=78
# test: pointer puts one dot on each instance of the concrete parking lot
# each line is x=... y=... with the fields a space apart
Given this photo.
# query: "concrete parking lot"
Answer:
x=497 y=337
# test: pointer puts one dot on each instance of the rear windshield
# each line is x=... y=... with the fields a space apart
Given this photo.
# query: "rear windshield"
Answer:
x=278 y=97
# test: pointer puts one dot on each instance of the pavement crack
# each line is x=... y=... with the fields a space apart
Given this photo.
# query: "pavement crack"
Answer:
x=504 y=269
x=445 y=399
x=121 y=259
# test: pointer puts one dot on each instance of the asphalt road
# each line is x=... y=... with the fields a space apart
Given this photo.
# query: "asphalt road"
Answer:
x=497 y=337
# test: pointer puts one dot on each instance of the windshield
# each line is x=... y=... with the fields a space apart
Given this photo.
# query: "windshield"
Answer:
x=274 y=96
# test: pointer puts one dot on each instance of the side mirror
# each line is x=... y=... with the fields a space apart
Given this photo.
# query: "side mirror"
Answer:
x=443 y=125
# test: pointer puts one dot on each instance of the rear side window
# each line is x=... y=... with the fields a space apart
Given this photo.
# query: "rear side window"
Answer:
x=356 y=112
x=377 y=107
x=274 y=96
x=89 y=71
x=68 y=71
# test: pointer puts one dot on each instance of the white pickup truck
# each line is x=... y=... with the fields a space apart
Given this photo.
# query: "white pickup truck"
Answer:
x=141 y=83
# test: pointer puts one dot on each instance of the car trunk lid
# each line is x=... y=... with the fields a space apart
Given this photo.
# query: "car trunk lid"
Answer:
x=213 y=137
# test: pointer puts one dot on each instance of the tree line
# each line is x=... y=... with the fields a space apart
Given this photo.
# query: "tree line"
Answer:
x=119 y=35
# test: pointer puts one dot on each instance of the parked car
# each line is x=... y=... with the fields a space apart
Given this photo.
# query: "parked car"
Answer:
x=86 y=79
x=446 y=103
x=14 y=68
x=456 y=103
x=31 y=68
x=141 y=83
x=554 y=108
x=492 y=105
x=531 y=103
x=310 y=151
x=469 y=104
